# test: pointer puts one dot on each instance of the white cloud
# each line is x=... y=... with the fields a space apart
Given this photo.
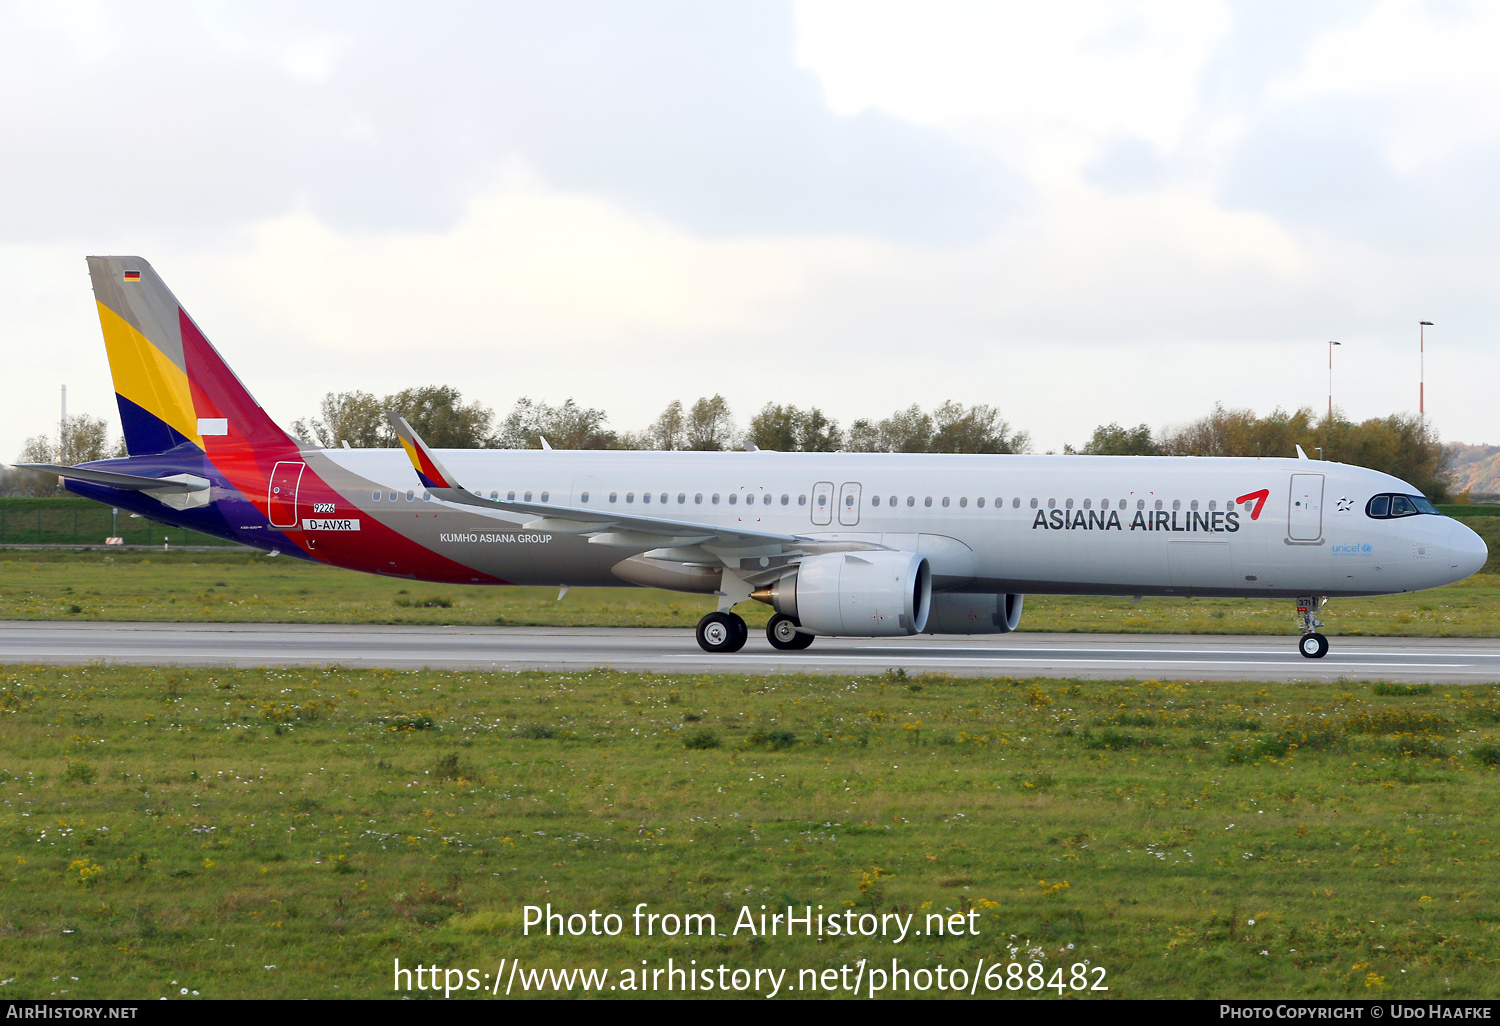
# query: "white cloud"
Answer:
x=1021 y=74
x=527 y=267
x=1433 y=74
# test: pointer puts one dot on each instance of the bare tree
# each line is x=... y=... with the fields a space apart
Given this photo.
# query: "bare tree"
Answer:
x=569 y=426
x=670 y=430
x=710 y=425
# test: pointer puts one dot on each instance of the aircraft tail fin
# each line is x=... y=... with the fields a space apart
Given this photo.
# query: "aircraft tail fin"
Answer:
x=171 y=385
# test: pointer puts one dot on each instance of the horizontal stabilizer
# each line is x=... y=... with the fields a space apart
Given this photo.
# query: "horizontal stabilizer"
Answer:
x=130 y=482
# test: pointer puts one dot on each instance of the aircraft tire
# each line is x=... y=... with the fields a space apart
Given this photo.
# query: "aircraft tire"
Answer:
x=722 y=632
x=782 y=633
x=1313 y=646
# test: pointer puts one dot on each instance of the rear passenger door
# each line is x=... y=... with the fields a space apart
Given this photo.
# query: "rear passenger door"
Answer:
x=822 y=503
x=849 y=504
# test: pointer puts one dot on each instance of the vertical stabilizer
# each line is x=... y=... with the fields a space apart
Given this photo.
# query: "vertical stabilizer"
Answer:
x=171 y=385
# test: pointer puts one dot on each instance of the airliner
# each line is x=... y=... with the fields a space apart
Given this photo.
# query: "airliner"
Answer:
x=837 y=544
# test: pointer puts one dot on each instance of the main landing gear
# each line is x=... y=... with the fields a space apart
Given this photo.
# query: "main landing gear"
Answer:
x=782 y=633
x=727 y=632
x=722 y=632
x=1312 y=644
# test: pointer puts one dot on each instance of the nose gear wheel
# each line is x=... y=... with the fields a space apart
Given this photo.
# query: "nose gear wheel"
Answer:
x=1312 y=644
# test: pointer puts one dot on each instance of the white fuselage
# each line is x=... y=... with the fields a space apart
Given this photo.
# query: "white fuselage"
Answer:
x=1024 y=524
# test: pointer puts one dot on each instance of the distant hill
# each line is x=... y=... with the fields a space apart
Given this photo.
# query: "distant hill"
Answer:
x=1474 y=468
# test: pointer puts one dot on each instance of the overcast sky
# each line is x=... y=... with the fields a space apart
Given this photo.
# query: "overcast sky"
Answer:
x=1078 y=212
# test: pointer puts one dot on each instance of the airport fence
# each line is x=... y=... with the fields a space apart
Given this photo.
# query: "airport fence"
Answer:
x=72 y=521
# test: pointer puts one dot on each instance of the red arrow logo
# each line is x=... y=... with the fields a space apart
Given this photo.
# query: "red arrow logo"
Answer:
x=1260 y=498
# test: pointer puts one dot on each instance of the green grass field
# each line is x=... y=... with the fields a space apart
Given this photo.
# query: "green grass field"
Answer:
x=235 y=586
x=267 y=833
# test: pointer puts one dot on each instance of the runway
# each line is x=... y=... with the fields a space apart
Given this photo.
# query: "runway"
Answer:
x=1094 y=656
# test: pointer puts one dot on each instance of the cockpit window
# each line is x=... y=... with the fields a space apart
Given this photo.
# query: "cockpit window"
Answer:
x=1384 y=507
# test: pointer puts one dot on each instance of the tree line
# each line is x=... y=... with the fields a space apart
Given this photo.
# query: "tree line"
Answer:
x=1398 y=444
x=445 y=421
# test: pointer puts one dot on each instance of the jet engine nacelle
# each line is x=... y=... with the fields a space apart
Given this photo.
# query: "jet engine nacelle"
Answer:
x=974 y=614
x=868 y=594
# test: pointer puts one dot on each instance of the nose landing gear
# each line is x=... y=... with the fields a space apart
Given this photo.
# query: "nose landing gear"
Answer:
x=1312 y=644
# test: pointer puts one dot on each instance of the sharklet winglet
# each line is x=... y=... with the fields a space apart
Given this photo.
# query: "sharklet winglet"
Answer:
x=430 y=472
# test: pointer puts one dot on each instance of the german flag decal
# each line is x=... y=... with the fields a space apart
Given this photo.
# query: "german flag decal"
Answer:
x=132 y=275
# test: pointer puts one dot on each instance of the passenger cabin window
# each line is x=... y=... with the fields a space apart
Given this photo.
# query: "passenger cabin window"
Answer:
x=715 y=499
x=495 y=496
x=645 y=497
x=1015 y=503
x=1068 y=504
x=891 y=501
x=874 y=500
x=682 y=498
x=630 y=496
x=511 y=497
x=1176 y=504
x=927 y=501
x=963 y=501
x=528 y=496
x=698 y=498
x=394 y=496
x=980 y=502
x=585 y=496
x=802 y=500
x=410 y=495
x=911 y=500
x=376 y=497
x=786 y=500
x=945 y=502
x=614 y=496
x=663 y=496
x=733 y=498
x=1033 y=503
x=544 y=496
x=767 y=500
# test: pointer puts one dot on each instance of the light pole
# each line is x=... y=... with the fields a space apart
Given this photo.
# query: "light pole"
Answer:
x=1331 y=344
x=1422 y=327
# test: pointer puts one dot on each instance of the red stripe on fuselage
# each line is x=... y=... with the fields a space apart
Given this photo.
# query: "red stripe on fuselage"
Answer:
x=248 y=454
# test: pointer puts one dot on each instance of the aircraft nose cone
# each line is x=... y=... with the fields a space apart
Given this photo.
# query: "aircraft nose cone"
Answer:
x=1467 y=550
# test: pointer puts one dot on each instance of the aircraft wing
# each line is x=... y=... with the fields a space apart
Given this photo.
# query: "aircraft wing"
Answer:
x=607 y=527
